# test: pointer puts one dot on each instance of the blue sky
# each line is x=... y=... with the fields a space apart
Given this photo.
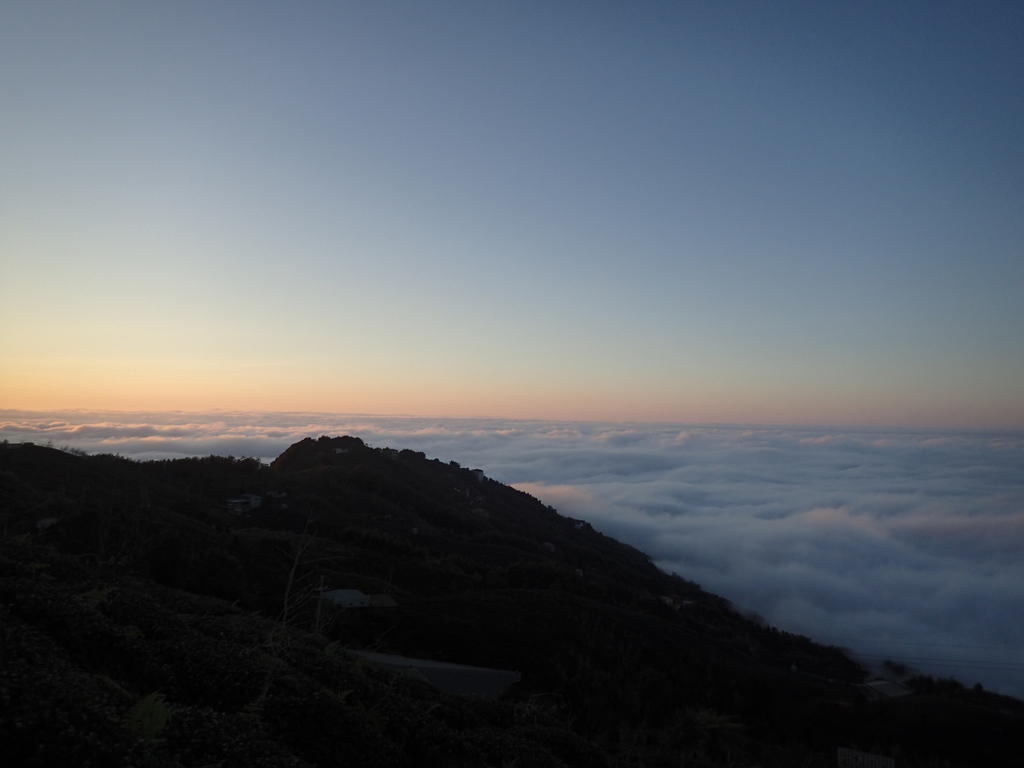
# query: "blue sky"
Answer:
x=773 y=213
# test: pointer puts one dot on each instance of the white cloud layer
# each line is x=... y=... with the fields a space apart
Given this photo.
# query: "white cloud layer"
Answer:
x=893 y=543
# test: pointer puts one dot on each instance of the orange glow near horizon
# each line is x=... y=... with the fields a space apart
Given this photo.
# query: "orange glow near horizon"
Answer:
x=167 y=387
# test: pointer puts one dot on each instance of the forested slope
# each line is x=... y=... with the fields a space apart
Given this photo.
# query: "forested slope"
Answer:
x=146 y=623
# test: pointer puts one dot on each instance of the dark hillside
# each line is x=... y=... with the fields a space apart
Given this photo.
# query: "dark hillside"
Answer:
x=169 y=614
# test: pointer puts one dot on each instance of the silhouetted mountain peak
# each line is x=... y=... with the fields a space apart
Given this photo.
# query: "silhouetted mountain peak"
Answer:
x=324 y=451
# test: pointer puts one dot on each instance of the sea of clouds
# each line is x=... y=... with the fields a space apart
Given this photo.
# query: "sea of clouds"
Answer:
x=895 y=544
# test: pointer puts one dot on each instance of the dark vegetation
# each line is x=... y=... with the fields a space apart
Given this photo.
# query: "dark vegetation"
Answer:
x=143 y=623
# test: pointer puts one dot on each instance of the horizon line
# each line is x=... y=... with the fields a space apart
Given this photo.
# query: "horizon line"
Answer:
x=652 y=422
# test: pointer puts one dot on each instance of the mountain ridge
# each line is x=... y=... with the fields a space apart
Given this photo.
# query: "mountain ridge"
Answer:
x=482 y=574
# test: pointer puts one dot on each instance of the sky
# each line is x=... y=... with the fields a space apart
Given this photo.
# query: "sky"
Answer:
x=754 y=213
x=906 y=544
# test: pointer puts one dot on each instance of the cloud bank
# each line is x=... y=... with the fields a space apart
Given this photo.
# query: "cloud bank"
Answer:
x=893 y=543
